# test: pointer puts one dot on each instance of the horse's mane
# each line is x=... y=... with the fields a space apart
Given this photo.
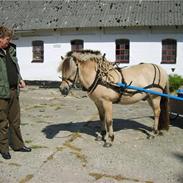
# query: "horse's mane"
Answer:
x=88 y=55
x=85 y=55
x=83 y=52
x=64 y=66
x=82 y=55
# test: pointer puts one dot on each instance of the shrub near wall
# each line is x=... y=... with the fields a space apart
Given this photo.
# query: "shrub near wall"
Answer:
x=175 y=82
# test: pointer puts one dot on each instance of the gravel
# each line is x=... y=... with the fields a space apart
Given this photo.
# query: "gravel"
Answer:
x=62 y=130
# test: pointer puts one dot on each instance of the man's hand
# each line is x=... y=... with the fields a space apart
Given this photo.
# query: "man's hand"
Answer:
x=22 y=84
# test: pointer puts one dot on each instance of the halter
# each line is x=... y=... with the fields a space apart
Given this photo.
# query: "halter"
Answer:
x=72 y=81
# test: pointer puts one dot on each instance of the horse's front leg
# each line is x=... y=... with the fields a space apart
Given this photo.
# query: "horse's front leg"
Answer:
x=101 y=135
x=109 y=137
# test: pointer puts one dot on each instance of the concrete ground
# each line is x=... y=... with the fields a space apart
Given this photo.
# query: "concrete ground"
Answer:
x=61 y=131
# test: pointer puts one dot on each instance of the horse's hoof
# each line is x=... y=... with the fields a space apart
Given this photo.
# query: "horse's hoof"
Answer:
x=103 y=138
x=98 y=138
x=112 y=138
x=150 y=137
x=107 y=144
x=160 y=133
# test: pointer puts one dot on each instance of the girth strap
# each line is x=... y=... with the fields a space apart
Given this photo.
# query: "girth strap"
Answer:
x=153 y=85
x=94 y=84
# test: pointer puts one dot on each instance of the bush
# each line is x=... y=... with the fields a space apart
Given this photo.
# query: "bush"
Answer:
x=175 y=81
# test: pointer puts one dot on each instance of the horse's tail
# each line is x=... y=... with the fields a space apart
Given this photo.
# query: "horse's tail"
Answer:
x=164 y=120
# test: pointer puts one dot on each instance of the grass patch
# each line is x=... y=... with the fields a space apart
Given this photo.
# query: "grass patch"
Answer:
x=24 y=124
x=28 y=141
x=98 y=176
x=38 y=147
x=70 y=146
x=81 y=157
x=60 y=148
x=27 y=178
x=75 y=150
x=50 y=157
x=36 y=107
x=15 y=164
x=43 y=122
x=74 y=136
x=58 y=108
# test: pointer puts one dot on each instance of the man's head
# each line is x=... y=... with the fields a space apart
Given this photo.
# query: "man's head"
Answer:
x=5 y=36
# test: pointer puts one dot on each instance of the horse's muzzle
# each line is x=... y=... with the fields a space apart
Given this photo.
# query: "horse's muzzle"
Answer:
x=64 y=91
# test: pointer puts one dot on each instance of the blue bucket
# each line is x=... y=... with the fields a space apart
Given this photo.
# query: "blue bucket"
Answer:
x=180 y=93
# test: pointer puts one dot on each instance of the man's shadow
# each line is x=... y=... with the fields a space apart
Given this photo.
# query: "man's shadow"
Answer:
x=91 y=127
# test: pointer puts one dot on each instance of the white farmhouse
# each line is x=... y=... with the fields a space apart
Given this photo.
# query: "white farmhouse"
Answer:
x=127 y=31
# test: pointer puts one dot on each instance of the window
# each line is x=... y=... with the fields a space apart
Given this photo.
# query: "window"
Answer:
x=169 y=51
x=122 y=50
x=76 y=45
x=38 y=51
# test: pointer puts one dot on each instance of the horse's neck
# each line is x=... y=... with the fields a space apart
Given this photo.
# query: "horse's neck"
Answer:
x=87 y=73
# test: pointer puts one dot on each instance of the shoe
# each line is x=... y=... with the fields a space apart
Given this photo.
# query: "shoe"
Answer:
x=24 y=149
x=6 y=155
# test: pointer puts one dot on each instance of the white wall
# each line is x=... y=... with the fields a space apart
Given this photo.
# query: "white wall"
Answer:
x=145 y=46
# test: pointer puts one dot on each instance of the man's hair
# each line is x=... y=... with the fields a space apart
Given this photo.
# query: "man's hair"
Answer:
x=5 y=32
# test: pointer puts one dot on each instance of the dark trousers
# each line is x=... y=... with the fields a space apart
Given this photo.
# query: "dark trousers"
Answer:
x=10 y=123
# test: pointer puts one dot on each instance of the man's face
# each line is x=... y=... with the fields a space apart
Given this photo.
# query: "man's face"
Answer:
x=4 y=42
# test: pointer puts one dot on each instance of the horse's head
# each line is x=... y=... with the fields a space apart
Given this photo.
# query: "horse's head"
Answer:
x=69 y=71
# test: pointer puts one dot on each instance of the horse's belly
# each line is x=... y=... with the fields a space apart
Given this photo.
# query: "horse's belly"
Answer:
x=132 y=99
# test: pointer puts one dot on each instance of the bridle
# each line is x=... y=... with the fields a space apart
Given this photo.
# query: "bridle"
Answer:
x=73 y=85
x=67 y=80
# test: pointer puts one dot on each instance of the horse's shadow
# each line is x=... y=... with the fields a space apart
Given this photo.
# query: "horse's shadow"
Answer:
x=91 y=127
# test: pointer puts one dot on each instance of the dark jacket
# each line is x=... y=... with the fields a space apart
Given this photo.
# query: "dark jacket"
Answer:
x=4 y=84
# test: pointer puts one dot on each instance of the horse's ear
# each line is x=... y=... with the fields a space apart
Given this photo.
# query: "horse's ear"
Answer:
x=103 y=57
x=62 y=58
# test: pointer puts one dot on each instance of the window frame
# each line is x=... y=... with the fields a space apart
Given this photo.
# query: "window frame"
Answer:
x=37 y=51
x=169 y=51
x=122 y=50
x=77 y=44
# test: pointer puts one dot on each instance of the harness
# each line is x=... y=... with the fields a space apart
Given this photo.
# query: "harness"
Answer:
x=121 y=90
x=99 y=81
x=157 y=74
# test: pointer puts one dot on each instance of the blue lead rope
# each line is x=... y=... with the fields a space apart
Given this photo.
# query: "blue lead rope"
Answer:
x=123 y=85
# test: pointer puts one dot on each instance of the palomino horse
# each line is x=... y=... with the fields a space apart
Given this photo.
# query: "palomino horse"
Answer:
x=99 y=77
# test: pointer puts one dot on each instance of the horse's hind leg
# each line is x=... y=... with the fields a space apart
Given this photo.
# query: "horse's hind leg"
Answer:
x=155 y=104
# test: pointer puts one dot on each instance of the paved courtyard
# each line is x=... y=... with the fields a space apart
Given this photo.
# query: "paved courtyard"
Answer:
x=61 y=131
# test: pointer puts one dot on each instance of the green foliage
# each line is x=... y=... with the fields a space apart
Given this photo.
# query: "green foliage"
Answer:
x=175 y=81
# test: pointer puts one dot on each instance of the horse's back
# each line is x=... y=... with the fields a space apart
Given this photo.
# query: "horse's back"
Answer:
x=144 y=74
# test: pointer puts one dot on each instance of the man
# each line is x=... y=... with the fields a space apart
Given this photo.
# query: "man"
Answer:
x=10 y=82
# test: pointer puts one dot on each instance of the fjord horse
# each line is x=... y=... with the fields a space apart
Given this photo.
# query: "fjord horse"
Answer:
x=98 y=77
